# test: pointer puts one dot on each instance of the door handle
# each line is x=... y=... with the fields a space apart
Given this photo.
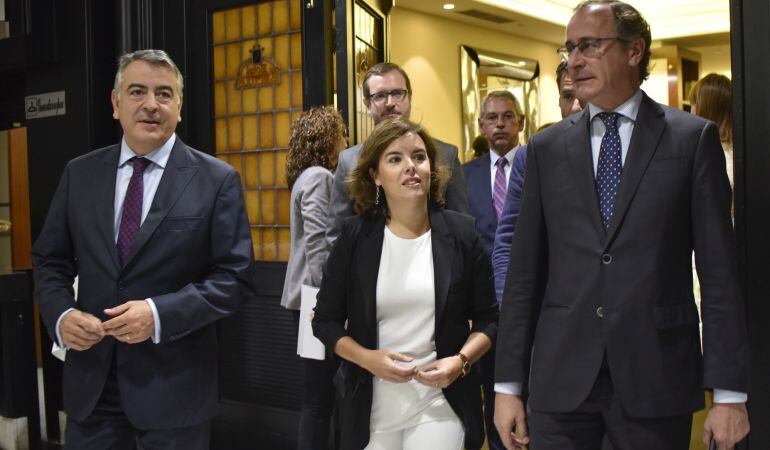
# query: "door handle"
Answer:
x=5 y=226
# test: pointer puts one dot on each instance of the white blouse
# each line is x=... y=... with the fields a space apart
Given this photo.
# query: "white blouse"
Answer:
x=406 y=309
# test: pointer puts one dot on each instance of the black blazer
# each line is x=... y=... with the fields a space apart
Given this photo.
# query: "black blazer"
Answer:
x=580 y=293
x=464 y=291
x=192 y=256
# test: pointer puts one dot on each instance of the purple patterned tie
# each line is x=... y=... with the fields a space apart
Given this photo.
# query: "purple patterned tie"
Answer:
x=131 y=216
x=498 y=193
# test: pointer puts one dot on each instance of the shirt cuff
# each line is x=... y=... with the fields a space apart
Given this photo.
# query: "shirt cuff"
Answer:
x=508 y=388
x=725 y=396
x=59 y=341
x=156 y=320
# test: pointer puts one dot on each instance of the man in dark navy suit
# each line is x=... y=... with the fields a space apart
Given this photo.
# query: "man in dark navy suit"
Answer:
x=599 y=321
x=487 y=177
x=158 y=235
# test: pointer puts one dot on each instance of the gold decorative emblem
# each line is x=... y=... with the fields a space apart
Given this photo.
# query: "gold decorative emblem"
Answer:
x=257 y=71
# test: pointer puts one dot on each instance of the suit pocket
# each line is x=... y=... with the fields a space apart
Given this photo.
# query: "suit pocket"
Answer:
x=672 y=316
x=182 y=223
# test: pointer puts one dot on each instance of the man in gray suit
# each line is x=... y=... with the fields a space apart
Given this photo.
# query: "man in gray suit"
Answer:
x=388 y=95
x=599 y=322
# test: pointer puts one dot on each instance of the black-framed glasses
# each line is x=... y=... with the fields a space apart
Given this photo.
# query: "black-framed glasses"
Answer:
x=589 y=47
x=397 y=95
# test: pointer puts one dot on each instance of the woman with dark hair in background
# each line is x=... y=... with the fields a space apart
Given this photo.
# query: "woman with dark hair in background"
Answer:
x=407 y=277
x=316 y=138
x=712 y=98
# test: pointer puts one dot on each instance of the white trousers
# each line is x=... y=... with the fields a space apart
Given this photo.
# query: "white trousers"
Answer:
x=441 y=434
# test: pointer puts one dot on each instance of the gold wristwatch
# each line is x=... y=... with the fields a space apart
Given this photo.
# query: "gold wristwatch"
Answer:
x=466 y=364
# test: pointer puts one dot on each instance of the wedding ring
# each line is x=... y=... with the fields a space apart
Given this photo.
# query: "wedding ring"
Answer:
x=128 y=338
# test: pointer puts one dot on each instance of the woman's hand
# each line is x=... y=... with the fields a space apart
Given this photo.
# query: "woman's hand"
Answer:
x=441 y=373
x=382 y=364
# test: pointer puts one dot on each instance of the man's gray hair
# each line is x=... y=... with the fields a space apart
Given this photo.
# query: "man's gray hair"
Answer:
x=503 y=95
x=152 y=57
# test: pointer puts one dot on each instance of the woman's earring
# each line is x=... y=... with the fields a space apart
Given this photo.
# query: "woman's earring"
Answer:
x=377 y=195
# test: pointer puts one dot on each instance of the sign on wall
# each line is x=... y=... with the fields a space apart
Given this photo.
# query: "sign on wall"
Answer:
x=47 y=104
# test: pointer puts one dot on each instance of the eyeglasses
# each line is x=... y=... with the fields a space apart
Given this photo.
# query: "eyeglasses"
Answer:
x=398 y=95
x=589 y=47
x=493 y=118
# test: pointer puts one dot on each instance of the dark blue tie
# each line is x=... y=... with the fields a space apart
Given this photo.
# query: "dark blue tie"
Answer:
x=609 y=168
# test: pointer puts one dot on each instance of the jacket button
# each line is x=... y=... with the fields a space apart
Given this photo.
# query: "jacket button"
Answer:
x=606 y=258
x=121 y=286
x=600 y=312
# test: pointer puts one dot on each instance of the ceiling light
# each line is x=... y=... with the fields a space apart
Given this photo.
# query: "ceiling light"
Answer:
x=449 y=6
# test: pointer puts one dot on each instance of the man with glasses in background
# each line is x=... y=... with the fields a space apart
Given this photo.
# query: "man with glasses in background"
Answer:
x=500 y=121
x=501 y=250
x=388 y=95
x=600 y=320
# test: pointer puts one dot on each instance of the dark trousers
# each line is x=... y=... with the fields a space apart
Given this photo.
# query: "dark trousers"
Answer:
x=600 y=413
x=487 y=366
x=317 y=401
x=108 y=428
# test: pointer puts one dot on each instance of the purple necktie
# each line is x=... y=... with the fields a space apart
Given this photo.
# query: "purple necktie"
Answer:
x=131 y=216
x=498 y=193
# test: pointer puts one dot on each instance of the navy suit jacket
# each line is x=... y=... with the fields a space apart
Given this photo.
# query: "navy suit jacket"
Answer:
x=478 y=178
x=583 y=295
x=507 y=225
x=192 y=256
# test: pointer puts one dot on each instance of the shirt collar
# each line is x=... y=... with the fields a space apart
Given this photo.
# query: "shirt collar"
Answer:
x=159 y=156
x=629 y=109
x=493 y=157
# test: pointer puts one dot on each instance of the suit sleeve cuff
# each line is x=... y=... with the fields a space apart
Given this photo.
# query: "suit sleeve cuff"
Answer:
x=508 y=388
x=59 y=340
x=725 y=396
x=156 y=320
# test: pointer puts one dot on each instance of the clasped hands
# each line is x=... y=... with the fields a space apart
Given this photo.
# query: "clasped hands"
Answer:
x=131 y=323
x=438 y=374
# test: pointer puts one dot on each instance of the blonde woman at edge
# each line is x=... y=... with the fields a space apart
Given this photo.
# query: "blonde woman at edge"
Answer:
x=712 y=98
x=316 y=139
x=408 y=277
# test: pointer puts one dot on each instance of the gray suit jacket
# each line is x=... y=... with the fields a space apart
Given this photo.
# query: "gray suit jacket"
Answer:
x=309 y=213
x=342 y=207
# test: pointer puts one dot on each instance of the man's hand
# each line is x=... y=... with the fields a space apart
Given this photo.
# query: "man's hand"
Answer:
x=131 y=322
x=441 y=373
x=510 y=421
x=727 y=424
x=80 y=331
x=382 y=364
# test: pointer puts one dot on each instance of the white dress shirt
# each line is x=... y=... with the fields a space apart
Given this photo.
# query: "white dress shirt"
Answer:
x=150 y=179
x=628 y=112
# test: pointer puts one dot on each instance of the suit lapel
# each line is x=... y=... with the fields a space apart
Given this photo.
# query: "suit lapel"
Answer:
x=443 y=253
x=648 y=129
x=104 y=185
x=370 y=252
x=178 y=172
x=577 y=143
x=486 y=188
